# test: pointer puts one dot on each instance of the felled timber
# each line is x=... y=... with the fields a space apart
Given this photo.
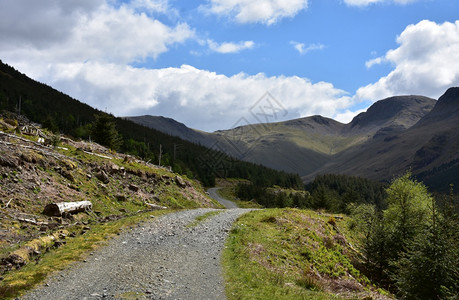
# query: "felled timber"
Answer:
x=155 y=206
x=58 y=209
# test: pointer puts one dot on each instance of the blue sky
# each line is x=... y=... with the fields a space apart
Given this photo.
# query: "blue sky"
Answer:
x=206 y=63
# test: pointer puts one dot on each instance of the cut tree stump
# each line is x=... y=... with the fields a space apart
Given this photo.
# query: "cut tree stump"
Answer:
x=57 y=209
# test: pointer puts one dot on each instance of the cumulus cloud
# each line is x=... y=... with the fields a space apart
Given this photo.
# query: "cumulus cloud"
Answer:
x=186 y=92
x=72 y=31
x=262 y=11
x=368 y=2
x=303 y=48
x=85 y=49
x=375 y=61
x=347 y=116
x=230 y=47
x=426 y=62
x=40 y=23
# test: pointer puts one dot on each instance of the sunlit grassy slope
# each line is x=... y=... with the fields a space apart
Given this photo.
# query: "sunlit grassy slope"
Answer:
x=293 y=254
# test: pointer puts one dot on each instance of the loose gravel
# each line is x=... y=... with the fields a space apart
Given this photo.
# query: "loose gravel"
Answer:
x=158 y=259
x=226 y=203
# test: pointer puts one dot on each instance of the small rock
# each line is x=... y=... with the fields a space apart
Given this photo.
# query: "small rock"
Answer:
x=57 y=244
x=67 y=175
x=8 y=162
x=95 y=295
x=121 y=198
x=180 y=182
x=133 y=188
x=102 y=176
x=114 y=169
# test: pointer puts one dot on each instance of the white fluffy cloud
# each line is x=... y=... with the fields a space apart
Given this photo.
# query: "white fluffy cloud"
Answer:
x=347 y=116
x=230 y=47
x=368 y=2
x=75 y=31
x=303 y=48
x=186 y=92
x=426 y=62
x=84 y=49
x=261 y=11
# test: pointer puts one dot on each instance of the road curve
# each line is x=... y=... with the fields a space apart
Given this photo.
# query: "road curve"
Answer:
x=226 y=203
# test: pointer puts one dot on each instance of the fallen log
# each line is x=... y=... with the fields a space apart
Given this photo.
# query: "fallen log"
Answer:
x=58 y=209
x=24 y=254
x=155 y=206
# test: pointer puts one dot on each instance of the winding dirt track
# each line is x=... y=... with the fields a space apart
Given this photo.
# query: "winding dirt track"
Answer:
x=226 y=203
x=159 y=259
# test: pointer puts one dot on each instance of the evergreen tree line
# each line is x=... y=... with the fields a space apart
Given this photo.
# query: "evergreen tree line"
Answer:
x=63 y=114
x=268 y=197
x=330 y=192
x=334 y=192
x=412 y=246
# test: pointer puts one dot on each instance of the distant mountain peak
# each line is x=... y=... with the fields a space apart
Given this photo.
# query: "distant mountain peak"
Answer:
x=399 y=110
x=447 y=107
x=449 y=98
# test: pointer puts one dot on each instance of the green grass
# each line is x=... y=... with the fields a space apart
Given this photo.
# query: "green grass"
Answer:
x=17 y=282
x=289 y=254
x=106 y=200
x=228 y=191
x=202 y=218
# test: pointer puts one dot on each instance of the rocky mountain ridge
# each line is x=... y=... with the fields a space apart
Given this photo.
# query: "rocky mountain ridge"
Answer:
x=394 y=135
x=389 y=138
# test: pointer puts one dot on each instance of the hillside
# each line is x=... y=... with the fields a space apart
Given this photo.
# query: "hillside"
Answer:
x=294 y=254
x=315 y=145
x=173 y=128
x=121 y=190
x=59 y=112
x=428 y=148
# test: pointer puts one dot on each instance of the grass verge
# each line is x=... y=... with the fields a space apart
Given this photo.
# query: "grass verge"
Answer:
x=16 y=282
x=291 y=254
x=203 y=217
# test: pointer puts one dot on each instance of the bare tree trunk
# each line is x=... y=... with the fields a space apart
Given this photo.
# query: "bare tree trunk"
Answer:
x=57 y=209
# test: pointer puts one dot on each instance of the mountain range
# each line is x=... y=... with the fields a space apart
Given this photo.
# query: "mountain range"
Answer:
x=394 y=135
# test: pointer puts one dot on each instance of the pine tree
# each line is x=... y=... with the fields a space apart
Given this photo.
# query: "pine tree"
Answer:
x=104 y=131
x=430 y=267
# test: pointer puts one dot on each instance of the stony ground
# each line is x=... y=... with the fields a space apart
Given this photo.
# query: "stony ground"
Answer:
x=226 y=203
x=163 y=258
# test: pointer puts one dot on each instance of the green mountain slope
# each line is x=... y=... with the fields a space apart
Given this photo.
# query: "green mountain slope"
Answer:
x=429 y=148
x=45 y=105
x=309 y=145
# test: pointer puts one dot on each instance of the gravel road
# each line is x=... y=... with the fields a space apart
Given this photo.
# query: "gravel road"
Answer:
x=226 y=203
x=159 y=259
